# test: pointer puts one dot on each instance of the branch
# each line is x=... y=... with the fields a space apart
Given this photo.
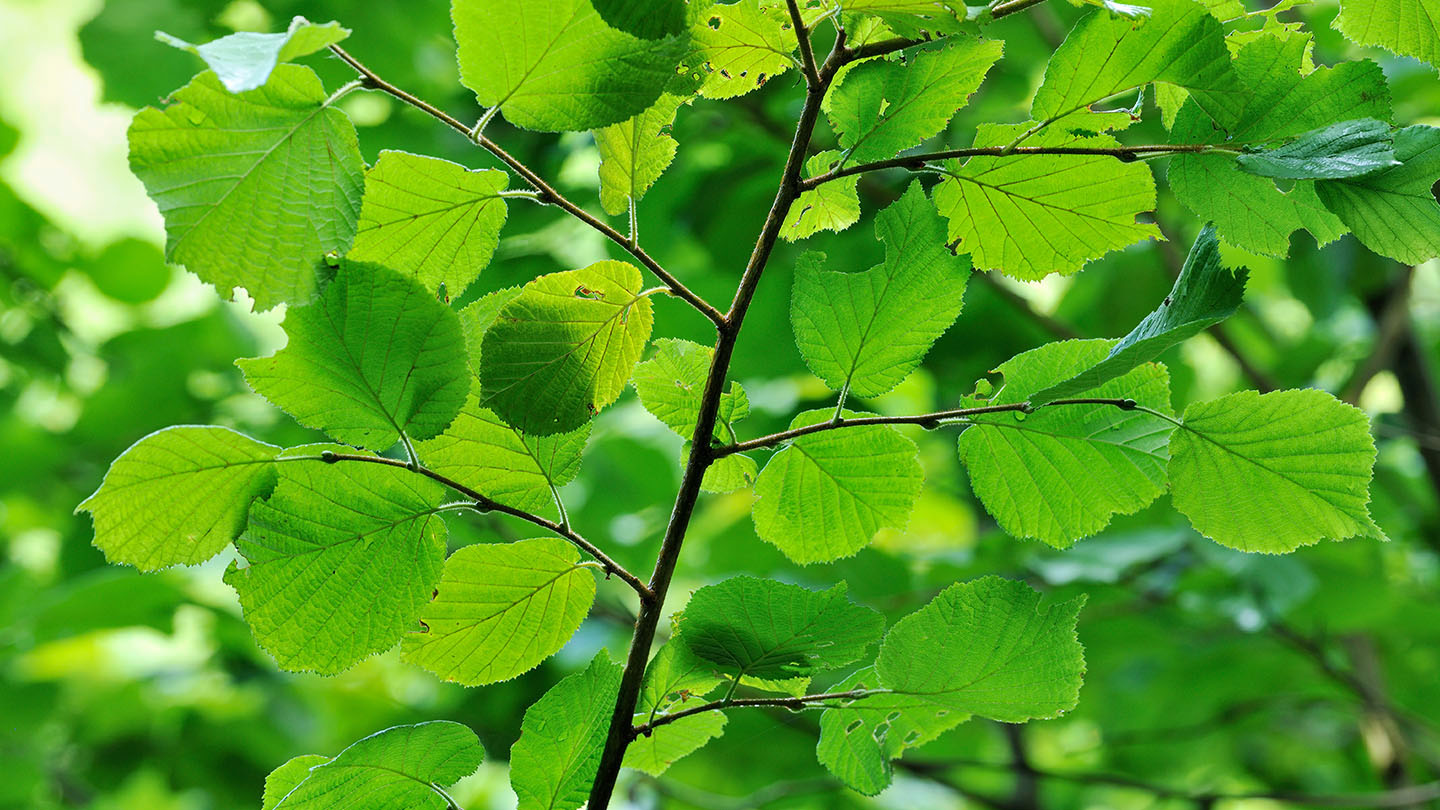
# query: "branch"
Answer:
x=547 y=193
x=486 y=504
x=702 y=455
x=926 y=420
x=919 y=161
x=792 y=703
x=802 y=36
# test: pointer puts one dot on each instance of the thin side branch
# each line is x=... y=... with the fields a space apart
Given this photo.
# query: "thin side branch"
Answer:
x=920 y=161
x=483 y=503
x=802 y=36
x=547 y=193
x=926 y=420
x=793 y=703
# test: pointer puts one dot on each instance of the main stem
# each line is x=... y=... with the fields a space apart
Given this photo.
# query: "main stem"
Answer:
x=702 y=454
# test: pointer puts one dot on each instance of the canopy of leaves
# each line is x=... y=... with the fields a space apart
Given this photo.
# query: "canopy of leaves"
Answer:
x=865 y=332
x=390 y=770
x=553 y=763
x=500 y=610
x=376 y=357
x=827 y=494
x=1273 y=472
x=255 y=187
x=880 y=107
x=1032 y=215
x=244 y=60
x=1205 y=293
x=179 y=496
x=340 y=561
x=765 y=629
x=564 y=348
x=556 y=65
x=431 y=219
x=1063 y=472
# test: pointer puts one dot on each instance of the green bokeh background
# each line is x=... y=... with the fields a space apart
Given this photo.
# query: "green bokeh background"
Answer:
x=1209 y=670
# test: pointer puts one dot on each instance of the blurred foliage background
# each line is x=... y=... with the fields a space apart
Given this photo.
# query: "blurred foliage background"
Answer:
x=1210 y=673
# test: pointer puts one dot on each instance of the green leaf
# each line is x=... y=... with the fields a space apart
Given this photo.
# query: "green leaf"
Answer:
x=285 y=778
x=742 y=45
x=651 y=20
x=255 y=187
x=827 y=494
x=1032 y=215
x=859 y=738
x=391 y=770
x=728 y=474
x=556 y=66
x=1346 y=149
x=374 y=358
x=832 y=206
x=1288 y=99
x=342 y=558
x=865 y=332
x=672 y=382
x=1273 y=472
x=244 y=60
x=634 y=153
x=502 y=609
x=1106 y=55
x=987 y=648
x=1406 y=27
x=485 y=454
x=1205 y=294
x=675 y=675
x=477 y=318
x=564 y=348
x=882 y=107
x=761 y=628
x=178 y=496
x=1061 y=473
x=655 y=752
x=911 y=18
x=554 y=762
x=431 y=219
x=1393 y=211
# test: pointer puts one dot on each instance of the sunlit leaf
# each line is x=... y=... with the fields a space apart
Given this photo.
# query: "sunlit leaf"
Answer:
x=501 y=609
x=179 y=496
x=374 y=358
x=430 y=219
x=255 y=187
